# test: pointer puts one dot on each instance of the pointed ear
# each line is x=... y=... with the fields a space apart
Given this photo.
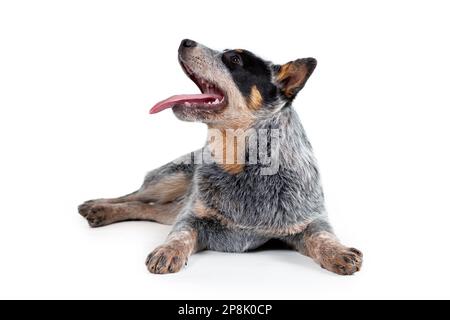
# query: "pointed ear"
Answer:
x=292 y=76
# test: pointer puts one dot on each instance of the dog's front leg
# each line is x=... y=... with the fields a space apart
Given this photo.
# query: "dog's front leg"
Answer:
x=319 y=243
x=174 y=253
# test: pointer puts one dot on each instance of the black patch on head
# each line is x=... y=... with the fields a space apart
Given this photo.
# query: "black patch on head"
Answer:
x=249 y=70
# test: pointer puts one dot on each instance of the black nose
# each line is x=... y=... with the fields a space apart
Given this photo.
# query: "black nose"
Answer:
x=186 y=43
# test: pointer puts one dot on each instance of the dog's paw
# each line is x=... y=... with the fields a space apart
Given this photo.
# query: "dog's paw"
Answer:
x=84 y=208
x=95 y=213
x=343 y=261
x=166 y=259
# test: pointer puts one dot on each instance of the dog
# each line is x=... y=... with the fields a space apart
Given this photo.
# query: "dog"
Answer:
x=227 y=196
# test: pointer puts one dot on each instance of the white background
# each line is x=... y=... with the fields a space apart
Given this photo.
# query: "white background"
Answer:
x=77 y=79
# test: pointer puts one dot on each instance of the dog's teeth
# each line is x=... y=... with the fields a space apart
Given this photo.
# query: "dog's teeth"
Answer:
x=216 y=101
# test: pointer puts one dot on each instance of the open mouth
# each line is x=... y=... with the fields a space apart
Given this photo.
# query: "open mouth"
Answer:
x=211 y=98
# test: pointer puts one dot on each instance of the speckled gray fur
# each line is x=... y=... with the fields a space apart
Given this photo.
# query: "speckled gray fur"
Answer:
x=216 y=208
x=291 y=196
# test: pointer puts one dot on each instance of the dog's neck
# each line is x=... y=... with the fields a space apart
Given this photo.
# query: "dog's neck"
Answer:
x=281 y=134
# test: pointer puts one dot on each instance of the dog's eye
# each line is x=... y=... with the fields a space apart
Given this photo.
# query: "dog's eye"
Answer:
x=236 y=59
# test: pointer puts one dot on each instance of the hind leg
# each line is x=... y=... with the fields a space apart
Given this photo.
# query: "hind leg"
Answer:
x=318 y=242
x=159 y=198
x=129 y=197
x=102 y=214
x=162 y=189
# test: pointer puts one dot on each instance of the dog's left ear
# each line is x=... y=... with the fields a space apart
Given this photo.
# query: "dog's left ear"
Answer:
x=292 y=76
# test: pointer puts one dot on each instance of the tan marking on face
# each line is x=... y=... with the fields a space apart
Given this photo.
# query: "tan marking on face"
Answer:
x=236 y=114
x=255 y=100
x=239 y=50
x=326 y=250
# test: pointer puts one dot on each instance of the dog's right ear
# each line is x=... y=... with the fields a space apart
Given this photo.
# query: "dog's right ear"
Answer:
x=292 y=76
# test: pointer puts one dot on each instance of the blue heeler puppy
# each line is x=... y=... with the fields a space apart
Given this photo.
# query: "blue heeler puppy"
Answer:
x=255 y=179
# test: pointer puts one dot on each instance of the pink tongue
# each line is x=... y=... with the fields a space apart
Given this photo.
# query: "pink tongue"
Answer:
x=183 y=98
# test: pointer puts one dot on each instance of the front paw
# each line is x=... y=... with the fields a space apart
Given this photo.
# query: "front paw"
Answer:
x=94 y=212
x=344 y=261
x=166 y=259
